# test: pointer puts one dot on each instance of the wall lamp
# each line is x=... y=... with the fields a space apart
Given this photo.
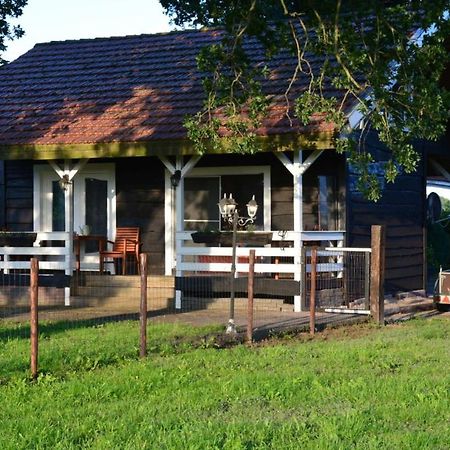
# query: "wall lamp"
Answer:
x=175 y=178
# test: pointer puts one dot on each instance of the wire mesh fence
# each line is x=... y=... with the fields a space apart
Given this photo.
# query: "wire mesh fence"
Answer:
x=195 y=300
x=342 y=279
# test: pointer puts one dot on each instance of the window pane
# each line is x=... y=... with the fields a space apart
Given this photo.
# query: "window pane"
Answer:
x=58 y=208
x=96 y=209
x=327 y=207
x=201 y=196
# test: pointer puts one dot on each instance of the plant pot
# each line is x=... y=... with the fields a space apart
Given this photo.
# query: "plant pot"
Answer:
x=226 y=238
x=249 y=238
x=205 y=237
x=17 y=239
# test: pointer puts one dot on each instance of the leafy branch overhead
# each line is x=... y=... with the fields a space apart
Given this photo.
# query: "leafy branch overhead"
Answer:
x=9 y=9
x=384 y=59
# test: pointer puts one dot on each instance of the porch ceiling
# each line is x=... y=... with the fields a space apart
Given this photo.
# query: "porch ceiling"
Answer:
x=287 y=142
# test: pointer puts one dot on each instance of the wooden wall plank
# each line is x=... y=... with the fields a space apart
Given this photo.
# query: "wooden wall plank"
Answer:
x=402 y=210
x=19 y=195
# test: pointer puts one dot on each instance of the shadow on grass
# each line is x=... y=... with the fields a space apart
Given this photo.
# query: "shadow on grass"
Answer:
x=22 y=330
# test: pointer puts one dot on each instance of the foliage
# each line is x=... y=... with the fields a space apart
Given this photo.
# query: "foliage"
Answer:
x=9 y=9
x=362 y=388
x=368 y=56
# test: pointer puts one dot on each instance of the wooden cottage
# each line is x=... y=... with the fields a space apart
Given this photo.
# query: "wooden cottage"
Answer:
x=104 y=118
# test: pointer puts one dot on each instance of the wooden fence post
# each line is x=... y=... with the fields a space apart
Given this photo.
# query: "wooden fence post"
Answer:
x=34 y=320
x=143 y=306
x=250 y=290
x=377 y=274
x=312 y=300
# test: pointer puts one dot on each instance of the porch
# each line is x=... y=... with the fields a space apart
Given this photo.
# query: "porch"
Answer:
x=279 y=260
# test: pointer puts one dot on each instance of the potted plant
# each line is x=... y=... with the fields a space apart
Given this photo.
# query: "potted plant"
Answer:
x=206 y=237
x=17 y=238
x=226 y=237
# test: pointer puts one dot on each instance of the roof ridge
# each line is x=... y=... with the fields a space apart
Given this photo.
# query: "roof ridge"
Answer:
x=129 y=36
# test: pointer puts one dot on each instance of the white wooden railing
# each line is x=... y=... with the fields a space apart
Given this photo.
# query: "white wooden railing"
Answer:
x=282 y=258
x=60 y=256
x=50 y=258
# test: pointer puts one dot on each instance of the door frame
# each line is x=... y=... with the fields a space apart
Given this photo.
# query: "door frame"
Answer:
x=44 y=175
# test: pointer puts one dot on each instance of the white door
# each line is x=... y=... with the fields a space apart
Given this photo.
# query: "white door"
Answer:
x=94 y=194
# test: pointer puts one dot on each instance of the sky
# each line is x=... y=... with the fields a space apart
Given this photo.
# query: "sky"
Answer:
x=56 y=20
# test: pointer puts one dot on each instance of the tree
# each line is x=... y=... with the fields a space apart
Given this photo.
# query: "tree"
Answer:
x=9 y=9
x=384 y=57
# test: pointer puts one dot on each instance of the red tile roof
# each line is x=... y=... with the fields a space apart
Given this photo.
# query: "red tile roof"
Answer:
x=121 y=89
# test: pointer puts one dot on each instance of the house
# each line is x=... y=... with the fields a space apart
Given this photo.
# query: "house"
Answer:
x=107 y=114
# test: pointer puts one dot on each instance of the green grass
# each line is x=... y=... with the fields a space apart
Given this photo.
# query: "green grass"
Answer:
x=359 y=387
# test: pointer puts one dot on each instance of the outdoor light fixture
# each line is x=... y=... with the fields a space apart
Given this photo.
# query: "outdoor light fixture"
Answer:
x=227 y=206
x=175 y=178
x=64 y=182
x=227 y=209
x=229 y=212
x=252 y=208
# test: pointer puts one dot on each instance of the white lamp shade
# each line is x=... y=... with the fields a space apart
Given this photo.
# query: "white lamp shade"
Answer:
x=252 y=208
x=223 y=205
x=231 y=206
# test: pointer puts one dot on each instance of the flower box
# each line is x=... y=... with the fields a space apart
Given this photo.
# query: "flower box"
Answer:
x=17 y=239
x=225 y=238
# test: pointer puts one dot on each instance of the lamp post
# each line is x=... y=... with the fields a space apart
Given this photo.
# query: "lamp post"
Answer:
x=228 y=211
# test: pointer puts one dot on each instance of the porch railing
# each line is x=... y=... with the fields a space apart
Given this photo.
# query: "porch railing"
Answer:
x=282 y=257
x=51 y=257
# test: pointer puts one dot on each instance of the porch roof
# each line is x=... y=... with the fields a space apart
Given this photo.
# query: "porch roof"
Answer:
x=128 y=96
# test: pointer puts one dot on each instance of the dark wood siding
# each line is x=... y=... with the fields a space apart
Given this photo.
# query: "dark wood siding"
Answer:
x=140 y=202
x=18 y=195
x=2 y=195
x=401 y=210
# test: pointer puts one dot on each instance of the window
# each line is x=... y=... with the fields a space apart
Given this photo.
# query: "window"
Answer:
x=204 y=187
x=320 y=203
x=58 y=208
x=200 y=203
x=327 y=203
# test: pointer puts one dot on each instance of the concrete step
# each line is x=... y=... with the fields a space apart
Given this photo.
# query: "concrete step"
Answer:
x=123 y=280
x=131 y=303
x=156 y=302
x=123 y=292
x=17 y=296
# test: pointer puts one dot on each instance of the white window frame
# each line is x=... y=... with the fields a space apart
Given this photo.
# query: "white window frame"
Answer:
x=199 y=172
x=171 y=226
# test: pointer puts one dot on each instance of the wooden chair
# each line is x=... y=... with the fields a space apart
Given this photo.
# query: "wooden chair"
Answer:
x=126 y=243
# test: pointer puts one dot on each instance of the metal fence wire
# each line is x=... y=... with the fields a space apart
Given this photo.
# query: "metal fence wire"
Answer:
x=342 y=278
x=342 y=281
x=196 y=299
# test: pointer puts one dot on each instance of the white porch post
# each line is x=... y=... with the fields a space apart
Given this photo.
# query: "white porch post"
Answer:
x=179 y=219
x=174 y=212
x=297 y=168
x=68 y=208
x=66 y=175
x=298 y=222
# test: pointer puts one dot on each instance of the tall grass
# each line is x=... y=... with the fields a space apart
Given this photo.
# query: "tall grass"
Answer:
x=362 y=387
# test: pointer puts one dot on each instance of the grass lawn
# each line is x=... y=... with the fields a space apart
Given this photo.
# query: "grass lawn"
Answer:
x=355 y=387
